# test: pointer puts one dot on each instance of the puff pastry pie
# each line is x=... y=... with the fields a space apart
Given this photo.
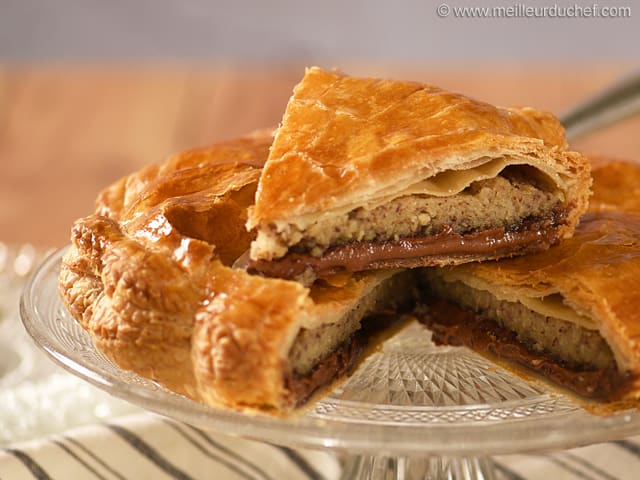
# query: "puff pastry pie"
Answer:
x=363 y=177
x=571 y=313
x=149 y=276
x=366 y=173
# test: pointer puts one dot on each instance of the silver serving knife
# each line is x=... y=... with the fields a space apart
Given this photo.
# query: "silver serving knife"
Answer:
x=613 y=104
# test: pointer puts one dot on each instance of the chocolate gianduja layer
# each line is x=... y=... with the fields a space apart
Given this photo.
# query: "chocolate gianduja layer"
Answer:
x=453 y=325
x=447 y=247
x=344 y=359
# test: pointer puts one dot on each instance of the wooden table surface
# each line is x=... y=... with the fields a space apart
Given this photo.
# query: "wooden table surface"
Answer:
x=66 y=131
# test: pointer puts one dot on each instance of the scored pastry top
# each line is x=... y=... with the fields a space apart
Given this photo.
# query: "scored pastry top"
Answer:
x=345 y=142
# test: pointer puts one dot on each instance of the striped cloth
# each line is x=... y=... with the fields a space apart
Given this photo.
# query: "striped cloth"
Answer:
x=145 y=446
x=619 y=460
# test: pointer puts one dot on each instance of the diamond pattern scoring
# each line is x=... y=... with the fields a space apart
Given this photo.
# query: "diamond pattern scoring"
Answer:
x=435 y=384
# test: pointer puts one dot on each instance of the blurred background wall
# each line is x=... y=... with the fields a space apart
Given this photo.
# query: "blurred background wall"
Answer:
x=286 y=30
x=91 y=90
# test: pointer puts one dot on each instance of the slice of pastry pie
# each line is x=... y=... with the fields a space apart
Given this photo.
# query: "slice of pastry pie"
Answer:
x=571 y=313
x=366 y=173
x=149 y=276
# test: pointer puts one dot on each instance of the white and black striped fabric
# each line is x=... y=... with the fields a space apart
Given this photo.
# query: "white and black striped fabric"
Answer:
x=145 y=446
x=618 y=460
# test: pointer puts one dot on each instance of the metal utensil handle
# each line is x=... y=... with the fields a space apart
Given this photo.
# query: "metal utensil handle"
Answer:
x=612 y=105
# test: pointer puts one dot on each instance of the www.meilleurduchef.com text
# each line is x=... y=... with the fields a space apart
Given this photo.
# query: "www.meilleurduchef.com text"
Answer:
x=522 y=10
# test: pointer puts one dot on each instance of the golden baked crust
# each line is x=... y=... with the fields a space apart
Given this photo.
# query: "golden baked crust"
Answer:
x=149 y=276
x=347 y=142
x=616 y=185
x=597 y=271
x=138 y=268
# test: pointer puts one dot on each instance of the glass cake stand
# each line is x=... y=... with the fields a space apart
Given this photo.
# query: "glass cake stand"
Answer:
x=411 y=410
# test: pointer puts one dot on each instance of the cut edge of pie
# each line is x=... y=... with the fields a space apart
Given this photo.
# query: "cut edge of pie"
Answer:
x=570 y=314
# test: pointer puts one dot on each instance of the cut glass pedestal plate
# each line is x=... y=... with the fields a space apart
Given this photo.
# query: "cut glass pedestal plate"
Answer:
x=411 y=410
